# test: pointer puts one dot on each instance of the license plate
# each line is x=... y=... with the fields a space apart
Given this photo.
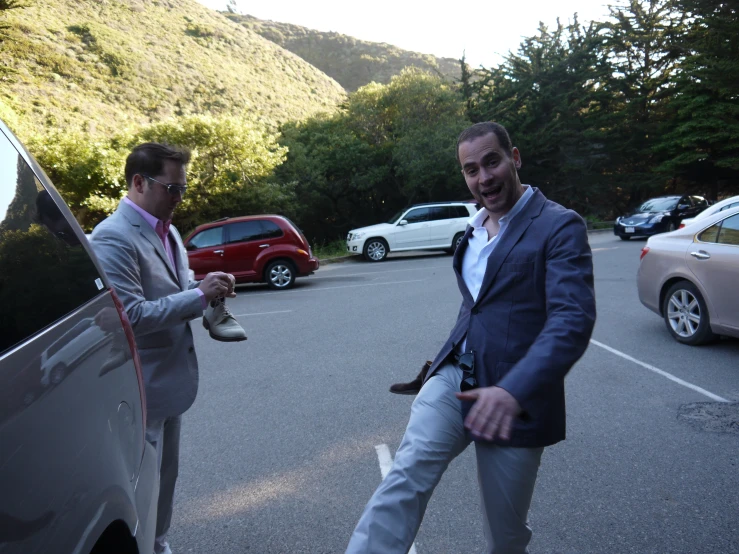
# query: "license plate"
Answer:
x=630 y=229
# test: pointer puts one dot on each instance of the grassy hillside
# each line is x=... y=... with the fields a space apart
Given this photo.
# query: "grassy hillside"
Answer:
x=99 y=65
x=352 y=62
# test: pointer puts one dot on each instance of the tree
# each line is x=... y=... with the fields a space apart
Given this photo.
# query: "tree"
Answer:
x=549 y=95
x=641 y=48
x=388 y=147
x=700 y=139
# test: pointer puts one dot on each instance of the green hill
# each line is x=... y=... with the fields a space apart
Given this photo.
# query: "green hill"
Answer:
x=100 y=65
x=352 y=62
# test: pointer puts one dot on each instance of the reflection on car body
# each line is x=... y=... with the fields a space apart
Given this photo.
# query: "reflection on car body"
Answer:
x=73 y=347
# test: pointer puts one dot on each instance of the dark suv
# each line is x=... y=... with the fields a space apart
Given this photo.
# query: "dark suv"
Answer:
x=255 y=249
x=76 y=474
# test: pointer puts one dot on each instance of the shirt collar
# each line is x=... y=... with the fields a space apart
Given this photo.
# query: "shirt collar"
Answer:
x=477 y=220
x=150 y=219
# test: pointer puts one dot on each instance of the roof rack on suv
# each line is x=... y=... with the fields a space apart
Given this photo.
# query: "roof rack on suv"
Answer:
x=443 y=202
x=222 y=219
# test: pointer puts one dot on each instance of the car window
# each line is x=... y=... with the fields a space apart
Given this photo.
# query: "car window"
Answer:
x=729 y=233
x=658 y=205
x=710 y=234
x=459 y=211
x=270 y=229
x=438 y=213
x=45 y=272
x=729 y=206
x=699 y=201
x=209 y=237
x=244 y=231
x=417 y=215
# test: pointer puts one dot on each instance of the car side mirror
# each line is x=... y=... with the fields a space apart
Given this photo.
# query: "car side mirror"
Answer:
x=403 y=222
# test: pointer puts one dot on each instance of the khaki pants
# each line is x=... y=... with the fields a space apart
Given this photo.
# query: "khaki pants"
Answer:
x=434 y=437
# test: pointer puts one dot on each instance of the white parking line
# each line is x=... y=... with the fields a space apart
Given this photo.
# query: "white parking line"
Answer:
x=264 y=313
x=658 y=371
x=315 y=289
x=386 y=462
x=380 y=272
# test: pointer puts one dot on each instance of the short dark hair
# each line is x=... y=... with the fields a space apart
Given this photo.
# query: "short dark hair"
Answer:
x=148 y=159
x=486 y=128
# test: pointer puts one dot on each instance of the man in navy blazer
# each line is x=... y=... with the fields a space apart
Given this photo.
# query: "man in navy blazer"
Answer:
x=525 y=272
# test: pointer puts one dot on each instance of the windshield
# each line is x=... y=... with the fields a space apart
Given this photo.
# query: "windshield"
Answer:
x=396 y=217
x=658 y=205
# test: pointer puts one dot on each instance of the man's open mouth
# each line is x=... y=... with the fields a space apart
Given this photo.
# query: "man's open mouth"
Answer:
x=492 y=193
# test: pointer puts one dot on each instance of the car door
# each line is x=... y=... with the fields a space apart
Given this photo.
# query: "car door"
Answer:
x=242 y=247
x=205 y=252
x=414 y=233
x=440 y=227
x=714 y=259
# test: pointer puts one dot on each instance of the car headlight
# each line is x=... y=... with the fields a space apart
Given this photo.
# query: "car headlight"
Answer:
x=657 y=218
x=355 y=236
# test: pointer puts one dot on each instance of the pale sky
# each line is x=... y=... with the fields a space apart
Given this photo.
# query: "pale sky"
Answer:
x=485 y=29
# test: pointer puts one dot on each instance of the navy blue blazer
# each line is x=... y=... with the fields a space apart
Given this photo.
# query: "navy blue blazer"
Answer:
x=533 y=316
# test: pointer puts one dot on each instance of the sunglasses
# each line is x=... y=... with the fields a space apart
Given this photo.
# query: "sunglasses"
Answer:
x=466 y=363
x=172 y=188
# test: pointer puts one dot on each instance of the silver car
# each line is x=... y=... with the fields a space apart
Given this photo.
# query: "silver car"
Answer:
x=76 y=473
x=690 y=276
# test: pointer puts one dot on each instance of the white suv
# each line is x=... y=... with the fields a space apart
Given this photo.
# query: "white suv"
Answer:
x=431 y=226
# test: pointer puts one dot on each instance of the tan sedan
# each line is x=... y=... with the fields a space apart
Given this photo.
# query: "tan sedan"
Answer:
x=690 y=277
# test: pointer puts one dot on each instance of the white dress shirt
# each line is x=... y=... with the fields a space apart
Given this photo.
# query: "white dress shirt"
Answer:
x=480 y=248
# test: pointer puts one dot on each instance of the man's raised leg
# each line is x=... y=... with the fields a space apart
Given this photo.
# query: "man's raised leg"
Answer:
x=434 y=437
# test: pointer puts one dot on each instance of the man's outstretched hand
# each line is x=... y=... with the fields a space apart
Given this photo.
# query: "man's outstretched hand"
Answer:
x=492 y=413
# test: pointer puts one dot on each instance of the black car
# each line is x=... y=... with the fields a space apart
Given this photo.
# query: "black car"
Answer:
x=76 y=474
x=658 y=215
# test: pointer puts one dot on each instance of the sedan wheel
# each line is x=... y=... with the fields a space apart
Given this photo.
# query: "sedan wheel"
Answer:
x=280 y=275
x=686 y=315
x=375 y=250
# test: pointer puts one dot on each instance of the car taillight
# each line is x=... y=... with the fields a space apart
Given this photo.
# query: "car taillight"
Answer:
x=682 y=225
x=644 y=252
x=128 y=330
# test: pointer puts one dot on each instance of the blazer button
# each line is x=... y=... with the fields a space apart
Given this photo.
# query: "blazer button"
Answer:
x=191 y=349
x=475 y=311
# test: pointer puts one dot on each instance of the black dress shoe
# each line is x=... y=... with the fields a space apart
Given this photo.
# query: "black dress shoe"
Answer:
x=414 y=386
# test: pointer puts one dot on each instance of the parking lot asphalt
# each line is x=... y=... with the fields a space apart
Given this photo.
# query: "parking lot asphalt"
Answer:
x=279 y=451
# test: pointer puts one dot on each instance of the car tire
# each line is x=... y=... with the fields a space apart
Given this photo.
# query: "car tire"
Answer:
x=375 y=250
x=57 y=374
x=686 y=315
x=455 y=243
x=671 y=227
x=280 y=274
x=622 y=237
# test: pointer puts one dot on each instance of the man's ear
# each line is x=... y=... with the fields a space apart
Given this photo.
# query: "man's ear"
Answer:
x=516 y=155
x=137 y=183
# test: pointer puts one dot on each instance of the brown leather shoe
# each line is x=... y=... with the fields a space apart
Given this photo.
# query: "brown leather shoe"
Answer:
x=414 y=386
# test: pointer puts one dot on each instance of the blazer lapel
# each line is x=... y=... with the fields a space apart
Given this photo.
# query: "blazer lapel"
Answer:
x=150 y=235
x=516 y=228
x=179 y=253
x=457 y=265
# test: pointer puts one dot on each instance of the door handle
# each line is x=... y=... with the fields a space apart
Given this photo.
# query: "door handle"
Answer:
x=264 y=246
x=701 y=255
x=218 y=252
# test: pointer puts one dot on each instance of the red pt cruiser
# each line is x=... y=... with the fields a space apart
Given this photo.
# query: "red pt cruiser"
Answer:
x=254 y=249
